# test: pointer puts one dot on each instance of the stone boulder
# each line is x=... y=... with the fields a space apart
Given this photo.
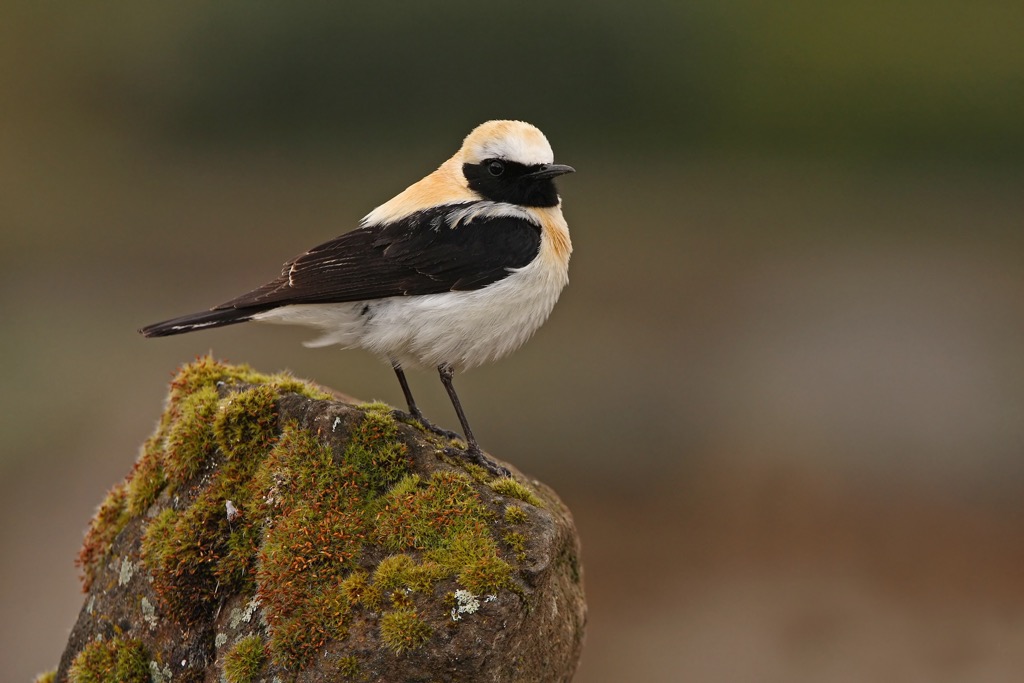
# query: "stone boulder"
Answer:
x=270 y=532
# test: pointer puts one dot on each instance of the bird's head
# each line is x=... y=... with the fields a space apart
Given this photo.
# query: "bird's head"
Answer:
x=511 y=161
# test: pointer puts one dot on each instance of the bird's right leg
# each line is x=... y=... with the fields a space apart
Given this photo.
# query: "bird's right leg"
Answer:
x=414 y=411
x=473 y=451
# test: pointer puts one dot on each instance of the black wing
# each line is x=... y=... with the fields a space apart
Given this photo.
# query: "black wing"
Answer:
x=420 y=254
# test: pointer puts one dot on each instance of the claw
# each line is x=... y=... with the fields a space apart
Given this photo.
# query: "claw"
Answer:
x=427 y=424
x=477 y=457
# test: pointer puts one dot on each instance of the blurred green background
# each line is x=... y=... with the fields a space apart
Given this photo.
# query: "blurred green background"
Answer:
x=783 y=394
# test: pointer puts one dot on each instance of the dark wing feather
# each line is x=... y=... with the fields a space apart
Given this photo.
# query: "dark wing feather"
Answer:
x=420 y=254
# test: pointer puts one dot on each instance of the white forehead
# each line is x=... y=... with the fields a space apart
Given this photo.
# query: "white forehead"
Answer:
x=509 y=140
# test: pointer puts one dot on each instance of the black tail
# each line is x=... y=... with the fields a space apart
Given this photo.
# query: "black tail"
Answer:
x=200 y=321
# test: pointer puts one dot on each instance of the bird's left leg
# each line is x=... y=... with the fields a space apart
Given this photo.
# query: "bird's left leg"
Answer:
x=414 y=410
x=473 y=451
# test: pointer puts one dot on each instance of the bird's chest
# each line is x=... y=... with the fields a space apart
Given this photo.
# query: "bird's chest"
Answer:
x=467 y=329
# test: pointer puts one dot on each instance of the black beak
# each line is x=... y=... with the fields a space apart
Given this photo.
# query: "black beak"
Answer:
x=549 y=171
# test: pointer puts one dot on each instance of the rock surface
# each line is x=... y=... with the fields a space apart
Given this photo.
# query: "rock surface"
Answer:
x=268 y=532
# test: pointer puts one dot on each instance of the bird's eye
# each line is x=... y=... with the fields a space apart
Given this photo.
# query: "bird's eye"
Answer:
x=495 y=168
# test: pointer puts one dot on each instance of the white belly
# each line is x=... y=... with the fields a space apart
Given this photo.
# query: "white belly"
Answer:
x=463 y=329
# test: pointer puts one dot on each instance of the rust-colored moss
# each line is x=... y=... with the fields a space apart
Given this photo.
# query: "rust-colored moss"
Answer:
x=322 y=513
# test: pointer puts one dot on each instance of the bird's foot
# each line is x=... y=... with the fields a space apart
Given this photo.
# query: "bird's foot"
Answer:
x=477 y=457
x=472 y=453
x=427 y=424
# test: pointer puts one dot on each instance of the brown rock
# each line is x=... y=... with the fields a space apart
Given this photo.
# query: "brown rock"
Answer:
x=269 y=532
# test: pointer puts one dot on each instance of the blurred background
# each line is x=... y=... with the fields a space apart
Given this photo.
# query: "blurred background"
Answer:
x=783 y=394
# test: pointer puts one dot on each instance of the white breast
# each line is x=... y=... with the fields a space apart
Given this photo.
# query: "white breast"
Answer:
x=465 y=329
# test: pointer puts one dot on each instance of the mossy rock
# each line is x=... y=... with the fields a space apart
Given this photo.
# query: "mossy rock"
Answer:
x=270 y=532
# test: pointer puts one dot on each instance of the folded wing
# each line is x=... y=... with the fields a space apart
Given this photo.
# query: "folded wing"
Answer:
x=428 y=252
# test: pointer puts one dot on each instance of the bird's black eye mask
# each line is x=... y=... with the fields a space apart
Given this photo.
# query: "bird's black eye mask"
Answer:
x=509 y=181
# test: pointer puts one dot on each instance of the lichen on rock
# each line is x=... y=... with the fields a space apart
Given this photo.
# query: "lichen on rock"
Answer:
x=270 y=530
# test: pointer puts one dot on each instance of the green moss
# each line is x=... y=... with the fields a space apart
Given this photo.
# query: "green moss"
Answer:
x=392 y=572
x=515 y=514
x=244 y=660
x=446 y=520
x=197 y=553
x=237 y=566
x=246 y=422
x=180 y=573
x=48 y=677
x=189 y=444
x=177 y=550
x=474 y=556
x=180 y=447
x=401 y=600
x=286 y=384
x=349 y=668
x=114 y=661
x=403 y=630
x=203 y=372
x=507 y=486
x=517 y=542
x=378 y=407
x=405 y=486
x=146 y=480
x=377 y=456
x=160 y=527
x=403 y=572
x=107 y=523
x=423 y=577
x=359 y=591
x=206 y=371
x=427 y=517
x=478 y=473
x=394 y=575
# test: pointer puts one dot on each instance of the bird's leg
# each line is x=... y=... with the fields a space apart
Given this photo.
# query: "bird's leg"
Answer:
x=414 y=410
x=473 y=451
x=447 y=372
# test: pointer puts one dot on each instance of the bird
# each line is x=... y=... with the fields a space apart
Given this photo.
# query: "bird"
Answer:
x=457 y=270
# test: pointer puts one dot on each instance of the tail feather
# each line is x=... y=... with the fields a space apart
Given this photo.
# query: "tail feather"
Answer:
x=199 y=321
